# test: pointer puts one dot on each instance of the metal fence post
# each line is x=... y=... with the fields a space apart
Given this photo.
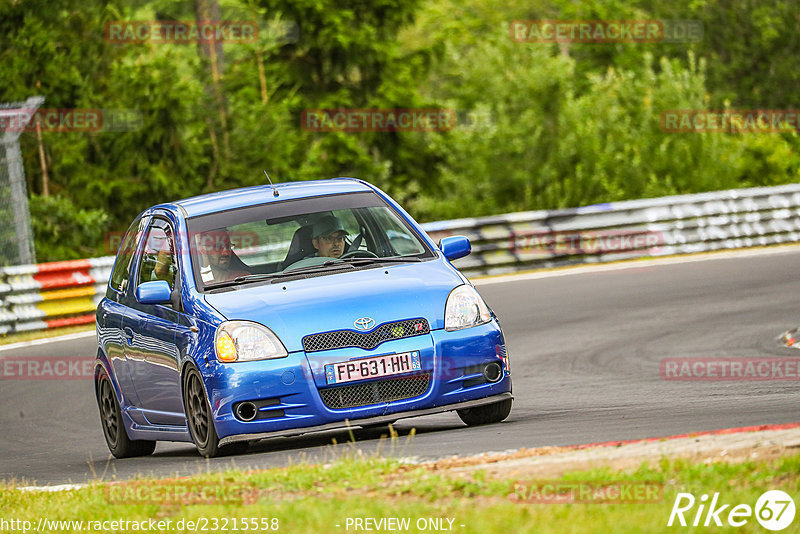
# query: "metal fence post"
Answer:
x=16 y=247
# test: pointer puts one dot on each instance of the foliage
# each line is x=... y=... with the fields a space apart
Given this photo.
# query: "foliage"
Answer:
x=540 y=125
x=65 y=232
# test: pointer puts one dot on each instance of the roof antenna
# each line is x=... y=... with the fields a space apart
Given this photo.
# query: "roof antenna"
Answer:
x=274 y=191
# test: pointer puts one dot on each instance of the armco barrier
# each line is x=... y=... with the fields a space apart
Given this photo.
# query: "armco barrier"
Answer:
x=50 y=295
x=621 y=230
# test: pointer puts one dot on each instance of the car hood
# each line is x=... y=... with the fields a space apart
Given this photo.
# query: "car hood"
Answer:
x=297 y=308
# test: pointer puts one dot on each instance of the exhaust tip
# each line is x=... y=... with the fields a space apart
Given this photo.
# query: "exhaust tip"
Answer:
x=493 y=372
x=246 y=411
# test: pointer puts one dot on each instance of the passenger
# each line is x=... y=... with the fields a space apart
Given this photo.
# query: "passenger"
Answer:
x=215 y=246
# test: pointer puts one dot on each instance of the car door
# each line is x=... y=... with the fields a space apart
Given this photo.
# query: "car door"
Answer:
x=150 y=331
x=112 y=309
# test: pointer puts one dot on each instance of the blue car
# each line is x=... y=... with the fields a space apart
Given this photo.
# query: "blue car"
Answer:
x=280 y=310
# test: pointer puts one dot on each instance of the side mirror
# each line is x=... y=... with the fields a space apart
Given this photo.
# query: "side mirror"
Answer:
x=455 y=247
x=156 y=292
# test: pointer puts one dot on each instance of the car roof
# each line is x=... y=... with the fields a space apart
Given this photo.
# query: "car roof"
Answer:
x=263 y=194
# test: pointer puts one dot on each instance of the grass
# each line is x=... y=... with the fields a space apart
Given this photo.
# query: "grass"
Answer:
x=321 y=498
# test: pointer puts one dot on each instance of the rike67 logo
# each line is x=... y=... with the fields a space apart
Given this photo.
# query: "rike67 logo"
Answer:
x=774 y=510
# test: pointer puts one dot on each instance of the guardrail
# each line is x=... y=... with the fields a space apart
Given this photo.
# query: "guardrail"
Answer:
x=662 y=226
x=50 y=295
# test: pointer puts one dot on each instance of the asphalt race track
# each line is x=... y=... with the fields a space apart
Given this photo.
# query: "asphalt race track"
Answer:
x=585 y=352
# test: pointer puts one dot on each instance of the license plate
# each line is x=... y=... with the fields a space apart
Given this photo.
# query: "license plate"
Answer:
x=391 y=364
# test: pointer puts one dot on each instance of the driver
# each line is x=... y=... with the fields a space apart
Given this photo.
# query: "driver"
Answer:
x=328 y=237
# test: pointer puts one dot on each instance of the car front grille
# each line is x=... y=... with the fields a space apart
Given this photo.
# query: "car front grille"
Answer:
x=366 y=340
x=375 y=391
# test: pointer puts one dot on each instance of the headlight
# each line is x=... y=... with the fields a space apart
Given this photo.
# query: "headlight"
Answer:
x=244 y=341
x=465 y=308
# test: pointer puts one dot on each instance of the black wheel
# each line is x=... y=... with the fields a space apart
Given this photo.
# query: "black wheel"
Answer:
x=201 y=423
x=120 y=445
x=484 y=415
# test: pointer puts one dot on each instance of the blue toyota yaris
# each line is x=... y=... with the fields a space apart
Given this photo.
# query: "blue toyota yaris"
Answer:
x=278 y=310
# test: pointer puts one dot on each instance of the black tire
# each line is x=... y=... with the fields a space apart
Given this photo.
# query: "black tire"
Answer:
x=200 y=421
x=120 y=445
x=485 y=415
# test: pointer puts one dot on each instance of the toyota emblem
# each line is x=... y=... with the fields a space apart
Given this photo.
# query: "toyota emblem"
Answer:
x=365 y=323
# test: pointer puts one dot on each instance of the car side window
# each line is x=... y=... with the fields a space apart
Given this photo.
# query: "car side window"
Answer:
x=158 y=256
x=122 y=266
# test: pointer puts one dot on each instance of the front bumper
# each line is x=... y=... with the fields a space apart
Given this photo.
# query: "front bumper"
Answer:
x=369 y=420
x=288 y=389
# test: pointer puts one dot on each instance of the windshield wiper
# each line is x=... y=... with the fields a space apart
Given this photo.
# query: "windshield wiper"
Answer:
x=307 y=268
x=368 y=260
x=241 y=280
x=350 y=261
x=310 y=269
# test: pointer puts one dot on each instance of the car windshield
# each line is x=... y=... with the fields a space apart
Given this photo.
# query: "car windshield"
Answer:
x=299 y=238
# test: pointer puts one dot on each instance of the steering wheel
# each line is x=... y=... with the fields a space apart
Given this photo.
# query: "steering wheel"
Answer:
x=358 y=253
